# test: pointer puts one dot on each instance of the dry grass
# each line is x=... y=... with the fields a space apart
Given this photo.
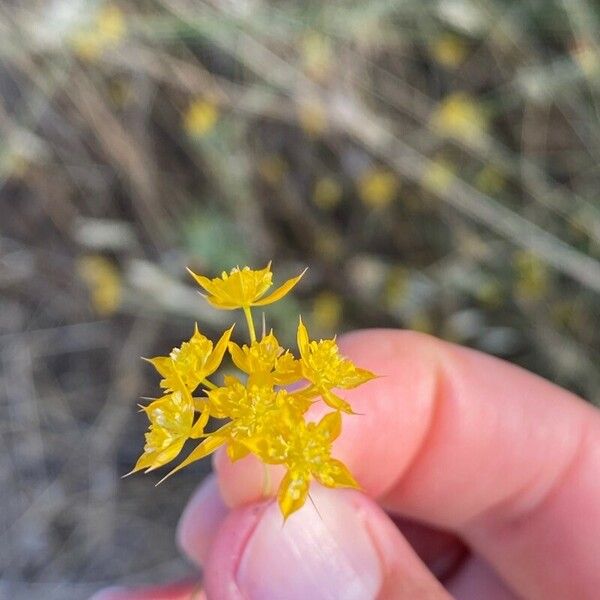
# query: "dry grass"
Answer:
x=434 y=164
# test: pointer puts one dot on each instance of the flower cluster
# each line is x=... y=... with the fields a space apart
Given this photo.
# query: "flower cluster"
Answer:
x=266 y=413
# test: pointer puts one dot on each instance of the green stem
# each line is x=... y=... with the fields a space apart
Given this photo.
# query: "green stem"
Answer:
x=209 y=384
x=250 y=322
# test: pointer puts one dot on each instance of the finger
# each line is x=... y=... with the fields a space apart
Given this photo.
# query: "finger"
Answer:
x=477 y=580
x=342 y=547
x=442 y=552
x=174 y=591
x=469 y=443
x=201 y=520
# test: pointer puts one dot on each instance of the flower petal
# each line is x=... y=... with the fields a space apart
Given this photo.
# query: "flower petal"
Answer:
x=331 y=424
x=302 y=339
x=280 y=292
x=239 y=357
x=293 y=491
x=336 y=402
x=203 y=282
x=208 y=446
x=334 y=473
x=216 y=356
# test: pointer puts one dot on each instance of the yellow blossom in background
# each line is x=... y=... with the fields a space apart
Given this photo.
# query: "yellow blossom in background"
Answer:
x=200 y=117
x=587 y=57
x=377 y=187
x=438 y=175
x=449 y=50
x=103 y=281
x=272 y=169
x=106 y=30
x=490 y=180
x=532 y=276
x=327 y=193
x=264 y=417
x=421 y=322
x=460 y=117
x=312 y=117
x=327 y=311
x=316 y=56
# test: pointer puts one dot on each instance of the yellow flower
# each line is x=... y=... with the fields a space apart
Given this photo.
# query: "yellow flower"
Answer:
x=200 y=117
x=266 y=357
x=460 y=117
x=438 y=175
x=171 y=425
x=103 y=281
x=327 y=193
x=449 y=50
x=106 y=30
x=263 y=418
x=377 y=188
x=326 y=369
x=257 y=411
x=243 y=288
x=305 y=449
x=192 y=363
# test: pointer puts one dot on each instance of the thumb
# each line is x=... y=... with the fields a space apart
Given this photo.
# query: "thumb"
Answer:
x=342 y=546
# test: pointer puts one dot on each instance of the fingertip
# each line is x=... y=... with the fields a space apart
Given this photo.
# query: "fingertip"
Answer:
x=201 y=520
x=343 y=546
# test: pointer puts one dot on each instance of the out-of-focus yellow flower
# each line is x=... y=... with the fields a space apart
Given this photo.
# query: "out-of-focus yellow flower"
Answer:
x=449 y=50
x=103 y=282
x=422 y=322
x=327 y=193
x=438 y=175
x=243 y=288
x=266 y=357
x=106 y=30
x=171 y=425
x=326 y=369
x=490 y=293
x=200 y=117
x=490 y=180
x=377 y=188
x=192 y=363
x=587 y=57
x=460 y=117
x=312 y=118
x=532 y=277
x=272 y=169
x=327 y=311
x=316 y=56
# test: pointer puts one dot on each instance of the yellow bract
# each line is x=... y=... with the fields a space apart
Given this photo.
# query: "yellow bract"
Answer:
x=263 y=416
x=326 y=369
x=192 y=363
x=171 y=425
x=243 y=288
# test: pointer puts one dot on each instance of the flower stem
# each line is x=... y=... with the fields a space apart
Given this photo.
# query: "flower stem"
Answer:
x=209 y=384
x=250 y=322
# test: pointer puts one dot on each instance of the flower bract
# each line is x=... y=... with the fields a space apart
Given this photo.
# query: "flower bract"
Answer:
x=243 y=288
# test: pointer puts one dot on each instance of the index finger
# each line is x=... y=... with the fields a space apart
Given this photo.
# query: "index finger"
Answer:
x=467 y=442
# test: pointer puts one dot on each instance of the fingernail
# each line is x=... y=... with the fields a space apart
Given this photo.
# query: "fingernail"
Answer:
x=321 y=552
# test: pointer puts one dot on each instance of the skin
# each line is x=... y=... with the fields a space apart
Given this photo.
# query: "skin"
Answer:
x=480 y=480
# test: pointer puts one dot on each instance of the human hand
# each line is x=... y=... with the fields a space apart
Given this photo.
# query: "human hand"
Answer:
x=490 y=475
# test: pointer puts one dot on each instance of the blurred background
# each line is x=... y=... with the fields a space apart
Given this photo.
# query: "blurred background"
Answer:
x=435 y=164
